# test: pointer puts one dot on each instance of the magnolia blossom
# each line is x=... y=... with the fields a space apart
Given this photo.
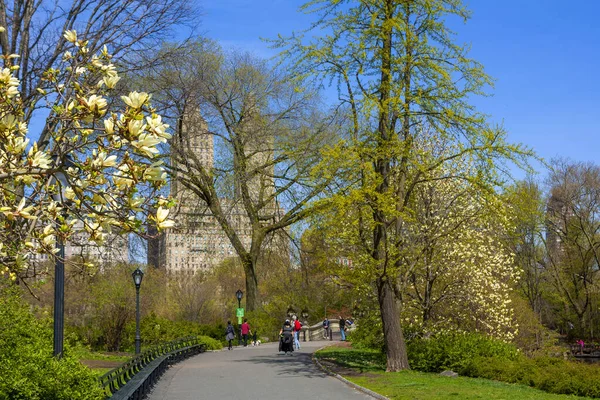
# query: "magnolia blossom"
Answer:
x=161 y=219
x=135 y=99
x=71 y=36
x=104 y=178
x=109 y=126
x=96 y=104
x=147 y=144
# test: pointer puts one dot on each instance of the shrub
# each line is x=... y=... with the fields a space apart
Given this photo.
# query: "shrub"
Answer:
x=369 y=333
x=455 y=351
x=552 y=375
x=211 y=344
x=27 y=367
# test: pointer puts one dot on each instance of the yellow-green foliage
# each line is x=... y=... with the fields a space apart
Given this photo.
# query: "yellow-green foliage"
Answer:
x=27 y=367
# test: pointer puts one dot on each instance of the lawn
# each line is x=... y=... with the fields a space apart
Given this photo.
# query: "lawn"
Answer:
x=366 y=368
x=99 y=362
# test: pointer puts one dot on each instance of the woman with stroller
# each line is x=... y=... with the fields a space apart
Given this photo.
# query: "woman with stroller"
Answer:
x=286 y=338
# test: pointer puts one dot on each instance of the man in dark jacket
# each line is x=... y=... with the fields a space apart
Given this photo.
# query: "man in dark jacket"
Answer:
x=342 y=328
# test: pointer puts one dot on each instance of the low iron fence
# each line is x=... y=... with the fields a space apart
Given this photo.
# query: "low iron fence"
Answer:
x=134 y=379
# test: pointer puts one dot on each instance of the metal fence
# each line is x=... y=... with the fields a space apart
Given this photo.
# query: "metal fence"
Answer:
x=134 y=379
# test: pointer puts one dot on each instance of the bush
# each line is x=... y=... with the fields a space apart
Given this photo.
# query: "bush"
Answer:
x=552 y=375
x=369 y=333
x=455 y=351
x=27 y=367
x=211 y=344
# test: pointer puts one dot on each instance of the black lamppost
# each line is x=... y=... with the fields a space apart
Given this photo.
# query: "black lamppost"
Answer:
x=304 y=314
x=59 y=266
x=239 y=294
x=290 y=312
x=137 y=279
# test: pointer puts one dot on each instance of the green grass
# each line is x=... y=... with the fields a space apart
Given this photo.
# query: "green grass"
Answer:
x=412 y=385
x=83 y=353
x=100 y=371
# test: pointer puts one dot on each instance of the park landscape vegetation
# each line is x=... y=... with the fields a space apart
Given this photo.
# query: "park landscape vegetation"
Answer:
x=446 y=263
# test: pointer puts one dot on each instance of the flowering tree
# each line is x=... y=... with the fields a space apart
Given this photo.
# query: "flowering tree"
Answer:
x=400 y=73
x=463 y=271
x=98 y=159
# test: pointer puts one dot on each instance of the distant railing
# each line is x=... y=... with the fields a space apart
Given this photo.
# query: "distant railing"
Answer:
x=587 y=350
x=317 y=332
x=134 y=379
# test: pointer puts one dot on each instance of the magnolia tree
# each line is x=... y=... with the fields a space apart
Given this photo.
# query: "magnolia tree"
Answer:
x=463 y=273
x=458 y=274
x=93 y=172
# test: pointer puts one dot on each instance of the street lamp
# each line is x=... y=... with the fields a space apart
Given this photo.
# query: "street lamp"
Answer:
x=304 y=314
x=290 y=312
x=137 y=279
x=239 y=294
x=59 y=267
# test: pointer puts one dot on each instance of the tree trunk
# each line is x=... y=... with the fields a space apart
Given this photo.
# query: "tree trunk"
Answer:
x=251 y=283
x=395 y=347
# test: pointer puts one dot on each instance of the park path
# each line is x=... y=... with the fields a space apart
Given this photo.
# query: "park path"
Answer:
x=252 y=373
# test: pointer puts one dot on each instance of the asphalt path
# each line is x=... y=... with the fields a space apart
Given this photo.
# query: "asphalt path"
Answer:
x=252 y=373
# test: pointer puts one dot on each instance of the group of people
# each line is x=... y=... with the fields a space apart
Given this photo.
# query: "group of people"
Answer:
x=345 y=324
x=245 y=333
x=289 y=334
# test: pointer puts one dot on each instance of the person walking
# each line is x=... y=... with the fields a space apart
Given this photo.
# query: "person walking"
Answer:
x=229 y=334
x=342 y=328
x=297 y=327
x=245 y=331
x=286 y=338
x=325 y=328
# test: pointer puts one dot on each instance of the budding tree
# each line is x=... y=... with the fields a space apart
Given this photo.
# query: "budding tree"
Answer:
x=268 y=136
x=400 y=74
x=105 y=155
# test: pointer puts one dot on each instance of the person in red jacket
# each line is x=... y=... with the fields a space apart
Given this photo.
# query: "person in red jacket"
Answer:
x=297 y=327
x=245 y=331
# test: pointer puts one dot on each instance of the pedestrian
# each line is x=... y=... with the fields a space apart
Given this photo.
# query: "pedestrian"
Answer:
x=297 y=327
x=229 y=334
x=325 y=328
x=286 y=338
x=342 y=328
x=245 y=331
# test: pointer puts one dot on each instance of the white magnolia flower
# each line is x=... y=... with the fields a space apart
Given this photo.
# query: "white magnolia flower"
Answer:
x=41 y=160
x=96 y=104
x=111 y=81
x=156 y=126
x=109 y=126
x=103 y=160
x=135 y=99
x=136 y=127
x=146 y=144
x=71 y=36
x=161 y=219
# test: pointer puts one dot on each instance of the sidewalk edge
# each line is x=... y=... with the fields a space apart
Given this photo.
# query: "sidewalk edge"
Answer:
x=346 y=381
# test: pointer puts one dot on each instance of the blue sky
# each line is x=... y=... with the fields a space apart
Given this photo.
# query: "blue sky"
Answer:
x=543 y=54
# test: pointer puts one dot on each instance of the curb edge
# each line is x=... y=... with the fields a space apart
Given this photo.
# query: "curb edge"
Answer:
x=344 y=380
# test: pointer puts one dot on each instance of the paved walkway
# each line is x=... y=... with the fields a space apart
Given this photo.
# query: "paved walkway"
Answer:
x=252 y=373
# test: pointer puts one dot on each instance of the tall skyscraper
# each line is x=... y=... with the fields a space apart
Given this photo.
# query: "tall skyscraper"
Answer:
x=198 y=242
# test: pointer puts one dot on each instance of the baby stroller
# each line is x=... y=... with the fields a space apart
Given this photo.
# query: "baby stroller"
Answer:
x=286 y=339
